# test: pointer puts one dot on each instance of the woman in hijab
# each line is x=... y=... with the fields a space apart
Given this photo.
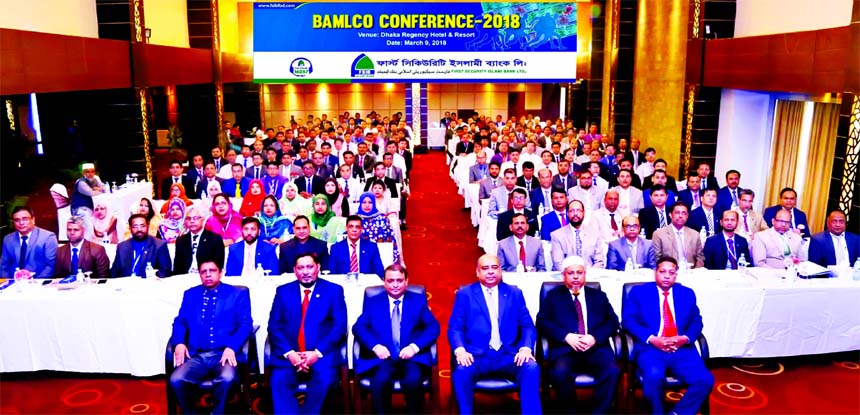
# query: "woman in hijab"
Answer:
x=292 y=204
x=253 y=199
x=177 y=190
x=224 y=220
x=324 y=224
x=339 y=204
x=275 y=228
x=173 y=224
x=104 y=224
x=376 y=226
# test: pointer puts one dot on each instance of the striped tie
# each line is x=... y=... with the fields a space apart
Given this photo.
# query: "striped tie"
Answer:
x=353 y=258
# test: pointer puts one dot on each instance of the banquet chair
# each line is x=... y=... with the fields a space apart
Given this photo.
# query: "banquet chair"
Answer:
x=634 y=378
x=64 y=210
x=247 y=363
x=362 y=384
x=583 y=379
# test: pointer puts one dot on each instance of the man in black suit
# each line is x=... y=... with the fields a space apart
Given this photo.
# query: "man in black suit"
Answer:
x=565 y=179
x=176 y=176
x=635 y=156
x=692 y=195
x=379 y=175
x=364 y=159
x=197 y=245
x=627 y=164
x=528 y=180
x=724 y=250
x=202 y=184
x=579 y=341
x=518 y=200
x=195 y=171
x=465 y=146
x=403 y=150
x=302 y=243
x=134 y=254
x=655 y=216
x=708 y=181
x=660 y=164
x=309 y=184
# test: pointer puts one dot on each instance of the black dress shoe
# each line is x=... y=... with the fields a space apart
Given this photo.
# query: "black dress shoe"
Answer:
x=465 y=209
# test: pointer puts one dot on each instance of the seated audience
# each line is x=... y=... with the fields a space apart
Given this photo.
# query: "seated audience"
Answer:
x=557 y=218
x=501 y=197
x=521 y=249
x=309 y=184
x=707 y=216
x=750 y=222
x=273 y=182
x=104 y=224
x=518 y=205
x=292 y=204
x=253 y=199
x=631 y=246
x=173 y=224
x=336 y=200
x=80 y=254
x=30 y=251
x=176 y=177
x=177 y=191
x=834 y=246
x=134 y=254
x=325 y=225
x=576 y=240
x=376 y=226
x=630 y=199
x=590 y=195
x=237 y=184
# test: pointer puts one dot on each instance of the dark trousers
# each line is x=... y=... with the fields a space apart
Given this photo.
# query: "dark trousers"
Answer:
x=501 y=364
x=686 y=365
x=598 y=362
x=411 y=376
x=193 y=372
x=285 y=381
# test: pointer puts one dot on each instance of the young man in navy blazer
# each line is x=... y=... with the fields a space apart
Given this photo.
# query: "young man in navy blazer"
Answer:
x=205 y=343
x=366 y=252
x=307 y=326
x=399 y=350
x=579 y=341
x=664 y=320
x=724 y=250
x=492 y=332
x=262 y=252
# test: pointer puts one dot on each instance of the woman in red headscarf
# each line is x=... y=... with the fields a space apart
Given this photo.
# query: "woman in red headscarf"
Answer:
x=177 y=191
x=253 y=199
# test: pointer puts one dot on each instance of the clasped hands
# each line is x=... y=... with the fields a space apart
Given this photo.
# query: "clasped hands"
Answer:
x=383 y=353
x=180 y=353
x=466 y=359
x=669 y=344
x=303 y=361
x=580 y=342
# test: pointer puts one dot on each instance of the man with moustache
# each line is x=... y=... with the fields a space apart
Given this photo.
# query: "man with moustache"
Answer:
x=576 y=240
x=196 y=245
x=244 y=258
x=133 y=254
x=80 y=253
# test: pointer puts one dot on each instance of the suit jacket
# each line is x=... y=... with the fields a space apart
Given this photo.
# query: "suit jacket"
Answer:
x=564 y=245
x=389 y=183
x=649 y=219
x=509 y=254
x=619 y=251
x=717 y=251
x=822 y=252
x=557 y=318
x=290 y=249
x=637 y=160
x=503 y=229
x=475 y=172
x=521 y=182
x=724 y=197
x=799 y=219
x=462 y=147
x=233 y=323
x=369 y=261
x=265 y=257
x=325 y=322
x=317 y=184
x=536 y=199
x=202 y=182
x=154 y=251
x=499 y=201
x=369 y=161
x=594 y=194
x=396 y=174
x=249 y=172
x=417 y=326
x=670 y=198
x=209 y=247
x=186 y=181
x=407 y=159
x=571 y=181
x=41 y=254
x=469 y=326
x=711 y=183
x=193 y=175
x=755 y=222
x=665 y=245
x=698 y=220
x=686 y=197
x=767 y=250
x=229 y=187
x=486 y=187
x=600 y=220
x=671 y=184
x=636 y=200
x=275 y=185
x=91 y=258
x=641 y=313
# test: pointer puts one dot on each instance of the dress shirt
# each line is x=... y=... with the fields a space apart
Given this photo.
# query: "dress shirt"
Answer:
x=633 y=245
x=493 y=307
x=729 y=251
x=391 y=311
x=671 y=299
x=841 y=249
x=584 y=307
x=194 y=238
x=679 y=241
x=302 y=289
x=624 y=200
x=250 y=258
x=517 y=242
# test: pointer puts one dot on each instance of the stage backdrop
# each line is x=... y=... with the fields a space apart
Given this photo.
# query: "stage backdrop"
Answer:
x=414 y=42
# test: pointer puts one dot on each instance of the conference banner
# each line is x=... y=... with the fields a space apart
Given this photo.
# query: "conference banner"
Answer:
x=358 y=42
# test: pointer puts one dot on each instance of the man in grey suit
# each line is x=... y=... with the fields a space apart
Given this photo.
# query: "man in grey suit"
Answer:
x=480 y=170
x=499 y=196
x=521 y=248
x=30 y=249
x=678 y=241
x=590 y=195
x=576 y=240
x=631 y=246
x=630 y=200
x=492 y=181
x=771 y=247
x=394 y=172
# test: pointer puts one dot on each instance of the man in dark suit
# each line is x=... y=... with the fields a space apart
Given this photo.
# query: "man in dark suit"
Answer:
x=491 y=332
x=464 y=146
x=664 y=321
x=834 y=246
x=692 y=195
x=788 y=201
x=176 y=176
x=399 y=350
x=708 y=181
x=379 y=174
x=521 y=249
x=708 y=215
x=354 y=255
x=541 y=196
x=30 y=248
x=195 y=171
x=635 y=181
x=307 y=326
x=309 y=184
x=579 y=341
x=80 y=254
x=364 y=159
x=208 y=176
x=725 y=249
x=132 y=255
x=518 y=198
x=205 y=344
x=632 y=247
x=244 y=257
x=565 y=179
x=237 y=182
x=655 y=216
x=301 y=243
x=196 y=245
x=257 y=170
x=403 y=150
x=528 y=180
x=729 y=196
x=635 y=156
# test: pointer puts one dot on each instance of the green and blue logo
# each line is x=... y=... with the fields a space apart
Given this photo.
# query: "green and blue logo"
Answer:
x=363 y=67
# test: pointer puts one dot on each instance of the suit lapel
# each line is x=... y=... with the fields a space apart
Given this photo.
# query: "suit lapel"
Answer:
x=503 y=305
x=478 y=290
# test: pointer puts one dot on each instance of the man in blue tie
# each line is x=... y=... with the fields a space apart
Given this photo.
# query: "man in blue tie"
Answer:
x=30 y=252
x=214 y=322
x=492 y=332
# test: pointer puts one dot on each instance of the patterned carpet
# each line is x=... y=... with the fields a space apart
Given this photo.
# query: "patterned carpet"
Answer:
x=441 y=251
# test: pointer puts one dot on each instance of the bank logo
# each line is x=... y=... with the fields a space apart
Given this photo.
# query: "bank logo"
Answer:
x=362 y=67
x=301 y=67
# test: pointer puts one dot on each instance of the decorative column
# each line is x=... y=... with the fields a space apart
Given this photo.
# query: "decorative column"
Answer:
x=216 y=76
x=142 y=92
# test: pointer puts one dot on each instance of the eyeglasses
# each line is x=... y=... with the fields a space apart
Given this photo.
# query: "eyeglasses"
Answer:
x=195 y=217
x=784 y=222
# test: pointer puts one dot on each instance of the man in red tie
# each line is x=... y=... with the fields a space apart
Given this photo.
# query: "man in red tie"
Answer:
x=307 y=327
x=664 y=320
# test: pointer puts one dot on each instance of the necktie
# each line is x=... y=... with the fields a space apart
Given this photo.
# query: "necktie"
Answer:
x=612 y=221
x=175 y=180
x=662 y=218
x=529 y=186
x=388 y=173
x=361 y=161
x=594 y=181
x=309 y=180
x=522 y=253
x=305 y=301
x=563 y=217
x=250 y=262
x=493 y=307
x=734 y=197
x=680 y=240
x=256 y=172
x=494 y=183
x=238 y=190
x=564 y=182
x=733 y=257
x=696 y=200
x=395 y=326
x=669 y=328
x=346 y=188
x=710 y=221
x=578 y=243
x=580 y=318
x=841 y=250
x=74 y=267
x=22 y=256
x=704 y=184
x=353 y=258
x=746 y=226
x=786 y=249
x=194 y=245
x=510 y=201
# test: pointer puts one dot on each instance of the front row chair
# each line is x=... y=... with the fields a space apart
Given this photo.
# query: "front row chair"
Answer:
x=583 y=380
x=634 y=379
x=362 y=384
x=247 y=363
